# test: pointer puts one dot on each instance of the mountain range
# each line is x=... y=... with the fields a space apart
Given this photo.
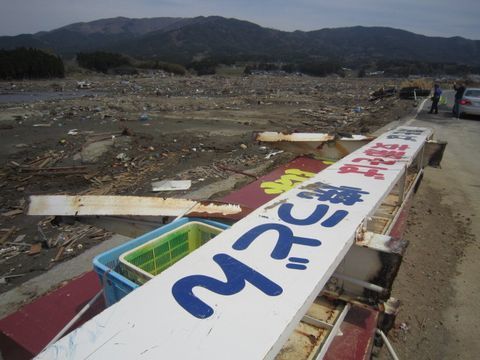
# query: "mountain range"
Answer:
x=185 y=39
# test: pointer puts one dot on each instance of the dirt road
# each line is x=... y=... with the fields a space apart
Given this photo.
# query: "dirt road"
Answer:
x=438 y=282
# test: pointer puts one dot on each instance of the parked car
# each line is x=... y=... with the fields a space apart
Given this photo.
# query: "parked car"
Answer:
x=470 y=102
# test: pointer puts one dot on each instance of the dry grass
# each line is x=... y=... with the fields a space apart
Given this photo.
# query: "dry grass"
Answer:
x=417 y=83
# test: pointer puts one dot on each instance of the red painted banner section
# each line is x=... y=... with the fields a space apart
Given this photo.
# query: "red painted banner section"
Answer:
x=358 y=331
x=275 y=183
x=25 y=333
x=398 y=229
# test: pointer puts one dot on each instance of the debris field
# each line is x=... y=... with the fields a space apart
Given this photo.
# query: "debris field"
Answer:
x=116 y=135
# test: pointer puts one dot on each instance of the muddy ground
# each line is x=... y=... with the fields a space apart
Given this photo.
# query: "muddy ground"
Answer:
x=437 y=238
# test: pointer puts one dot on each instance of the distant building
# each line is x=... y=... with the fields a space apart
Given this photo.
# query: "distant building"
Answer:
x=375 y=73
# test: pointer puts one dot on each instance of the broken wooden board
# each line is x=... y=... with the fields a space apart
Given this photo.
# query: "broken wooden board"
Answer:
x=7 y=234
x=88 y=205
x=35 y=249
x=12 y=213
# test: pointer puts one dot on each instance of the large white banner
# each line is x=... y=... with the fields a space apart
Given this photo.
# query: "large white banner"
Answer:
x=241 y=295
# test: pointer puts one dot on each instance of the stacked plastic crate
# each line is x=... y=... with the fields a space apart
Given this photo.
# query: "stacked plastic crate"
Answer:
x=126 y=267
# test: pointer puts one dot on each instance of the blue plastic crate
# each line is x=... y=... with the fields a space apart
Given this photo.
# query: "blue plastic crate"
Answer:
x=109 y=270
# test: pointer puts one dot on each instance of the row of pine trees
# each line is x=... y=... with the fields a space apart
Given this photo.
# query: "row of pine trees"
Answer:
x=23 y=63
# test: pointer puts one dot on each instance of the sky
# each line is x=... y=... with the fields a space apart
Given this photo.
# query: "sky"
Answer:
x=428 y=17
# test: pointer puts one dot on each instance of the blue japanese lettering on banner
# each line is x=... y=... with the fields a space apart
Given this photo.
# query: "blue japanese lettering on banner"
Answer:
x=345 y=195
x=285 y=213
x=405 y=134
x=237 y=274
x=285 y=240
x=297 y=263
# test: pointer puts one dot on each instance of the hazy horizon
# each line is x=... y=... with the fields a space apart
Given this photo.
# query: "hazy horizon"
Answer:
x=431 y=18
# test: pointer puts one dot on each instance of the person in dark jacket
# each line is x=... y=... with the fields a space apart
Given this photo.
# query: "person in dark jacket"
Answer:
x=437 y=92
x=459 y=90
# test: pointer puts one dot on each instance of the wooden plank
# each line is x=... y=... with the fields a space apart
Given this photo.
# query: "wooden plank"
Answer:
x=88 y=205
x=241 y=295
x=8 y=233
x=12 y=213
x=35 y=249
x=65 y=205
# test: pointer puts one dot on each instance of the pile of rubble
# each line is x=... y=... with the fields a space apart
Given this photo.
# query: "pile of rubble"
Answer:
x=118 y=134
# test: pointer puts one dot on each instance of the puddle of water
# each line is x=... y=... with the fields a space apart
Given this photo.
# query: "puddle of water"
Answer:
x=33 y=96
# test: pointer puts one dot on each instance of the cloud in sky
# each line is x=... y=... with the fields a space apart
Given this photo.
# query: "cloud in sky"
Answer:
x=429 y=17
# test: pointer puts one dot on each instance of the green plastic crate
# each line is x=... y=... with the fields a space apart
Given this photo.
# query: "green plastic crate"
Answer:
x=144 y=262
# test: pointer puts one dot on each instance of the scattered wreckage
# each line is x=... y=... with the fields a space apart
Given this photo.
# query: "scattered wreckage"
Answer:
x=315 y=247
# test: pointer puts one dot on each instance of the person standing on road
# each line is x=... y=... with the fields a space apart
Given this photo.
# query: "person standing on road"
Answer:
x=437 y=92
x=459 y=90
